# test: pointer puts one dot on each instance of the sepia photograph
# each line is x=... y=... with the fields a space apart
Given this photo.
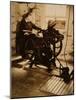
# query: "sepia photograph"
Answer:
x=42 y=49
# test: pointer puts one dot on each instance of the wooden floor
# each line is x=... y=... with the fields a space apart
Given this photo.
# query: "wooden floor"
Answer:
x=36 y=81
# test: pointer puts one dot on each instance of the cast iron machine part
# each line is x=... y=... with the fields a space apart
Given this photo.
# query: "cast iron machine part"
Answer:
x=55 y=38
x=42 y=51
